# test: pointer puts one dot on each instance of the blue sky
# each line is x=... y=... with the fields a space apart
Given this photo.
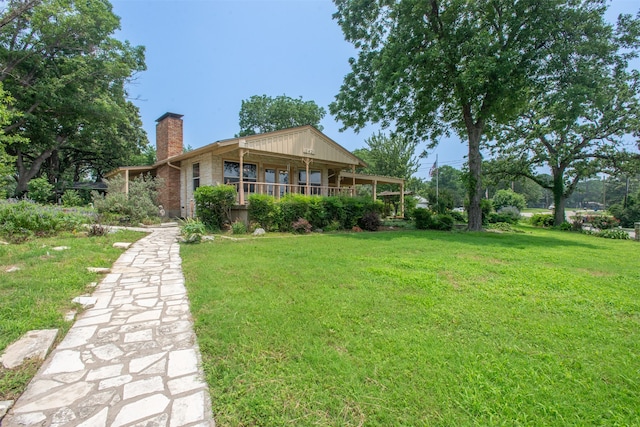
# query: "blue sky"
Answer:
x=205 y=56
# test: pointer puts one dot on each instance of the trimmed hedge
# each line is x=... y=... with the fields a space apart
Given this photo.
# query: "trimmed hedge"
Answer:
x=320 y=212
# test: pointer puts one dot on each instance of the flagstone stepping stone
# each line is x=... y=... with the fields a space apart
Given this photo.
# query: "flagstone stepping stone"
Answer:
x=5 y=405
x=33 y=344
x=70 y=316
x=85 y=302
x=122 y=245
x=60 y=248
x=99 y=269
x=12 y=269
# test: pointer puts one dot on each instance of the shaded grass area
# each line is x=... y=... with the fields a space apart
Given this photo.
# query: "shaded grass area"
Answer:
x=39 y=294
x=419 y=328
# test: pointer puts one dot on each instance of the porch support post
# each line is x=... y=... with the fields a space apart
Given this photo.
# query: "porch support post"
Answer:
x=402 y=199
x=375 y=190
x=241 y=177
x=307 y=184
x=353 y=188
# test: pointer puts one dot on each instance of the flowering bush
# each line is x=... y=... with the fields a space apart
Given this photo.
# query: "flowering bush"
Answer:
x=602 y=222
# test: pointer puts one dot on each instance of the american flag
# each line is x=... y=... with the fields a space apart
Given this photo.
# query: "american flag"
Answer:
x=434 y=168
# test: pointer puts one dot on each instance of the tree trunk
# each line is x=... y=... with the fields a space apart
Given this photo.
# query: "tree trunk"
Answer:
x=474 y=184
x=559 y=199
x=26 y=174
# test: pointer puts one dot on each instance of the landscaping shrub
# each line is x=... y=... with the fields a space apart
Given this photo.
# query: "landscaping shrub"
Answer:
x=238 y=227
x=602 y=222
x=443 y=222
x=504 y=198
x=630 y=214
x=72 y=198
x=370 y=221
x=22 y=220
x=40 y=190
x=137 y=206
x=98 y=230
x=457 y=216
x=508 y=214
x=192 y=230
x=262 y=210
x=422 y=218
x=316 y=212
x=542 y=220
x=615 y=233
x=213 y=205
x=335 y=211
x=292 y=208
x=486 y=206
x=301 y=226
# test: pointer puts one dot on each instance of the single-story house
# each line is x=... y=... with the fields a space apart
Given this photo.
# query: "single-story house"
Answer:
x=296 y=160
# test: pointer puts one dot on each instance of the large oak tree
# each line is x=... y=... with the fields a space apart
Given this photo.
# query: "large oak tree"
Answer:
x=68 y=75
x=584 y=111
x=436 y=66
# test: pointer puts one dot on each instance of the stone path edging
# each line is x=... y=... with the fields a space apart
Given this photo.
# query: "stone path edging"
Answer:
x=132 y=359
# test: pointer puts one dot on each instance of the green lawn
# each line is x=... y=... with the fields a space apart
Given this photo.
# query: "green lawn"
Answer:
x=419 y=328
x=39 y=294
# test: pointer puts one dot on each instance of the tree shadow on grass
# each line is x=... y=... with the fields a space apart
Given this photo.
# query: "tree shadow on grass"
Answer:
x=486 y=238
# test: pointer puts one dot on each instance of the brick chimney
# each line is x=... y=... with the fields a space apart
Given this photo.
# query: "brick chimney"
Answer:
x=168 y=136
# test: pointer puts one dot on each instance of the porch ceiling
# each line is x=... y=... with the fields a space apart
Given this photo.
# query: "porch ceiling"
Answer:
x=370 y=179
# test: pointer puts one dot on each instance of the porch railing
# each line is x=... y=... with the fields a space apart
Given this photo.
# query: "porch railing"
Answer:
x=281 y=190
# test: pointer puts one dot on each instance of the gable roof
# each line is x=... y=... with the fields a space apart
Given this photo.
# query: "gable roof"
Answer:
x=303 y=141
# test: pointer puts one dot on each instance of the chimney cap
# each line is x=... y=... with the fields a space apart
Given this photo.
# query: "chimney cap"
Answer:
x=172 y=115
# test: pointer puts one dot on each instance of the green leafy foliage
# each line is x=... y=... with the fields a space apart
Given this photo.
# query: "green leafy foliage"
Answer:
x=262 y=210
x=260 y=114
x=508 y=214
x=585 y=108
x=68 y=76
x=321 y=212
x=71 y=198
x=504 y=198
x=192 y=230
x=140 y=204
x=23 y=220
x=422 y=218
x=602 y=222
x=213 y=205
x=41 y=191
x=389 y=156
x=442 y=222
x=542 y=220
x=629 y=214
x=238 y=227
x=613 y=234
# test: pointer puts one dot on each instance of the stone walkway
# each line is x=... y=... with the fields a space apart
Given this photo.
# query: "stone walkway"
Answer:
x=132 y=360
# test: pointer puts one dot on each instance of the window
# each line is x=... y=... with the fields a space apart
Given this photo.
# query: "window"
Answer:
x=249 y=174
x=195 y=174
x=315 y=180
x=270 y=178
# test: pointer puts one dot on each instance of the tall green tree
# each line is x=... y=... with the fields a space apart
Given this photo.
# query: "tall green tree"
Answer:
x=389 y=155
x=260 y=114
x=449 y=180
x=68 y=76
x=437 y=66
x=586 y=107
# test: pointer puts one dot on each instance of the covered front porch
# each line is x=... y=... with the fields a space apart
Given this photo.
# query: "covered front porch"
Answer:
x=345 y=185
